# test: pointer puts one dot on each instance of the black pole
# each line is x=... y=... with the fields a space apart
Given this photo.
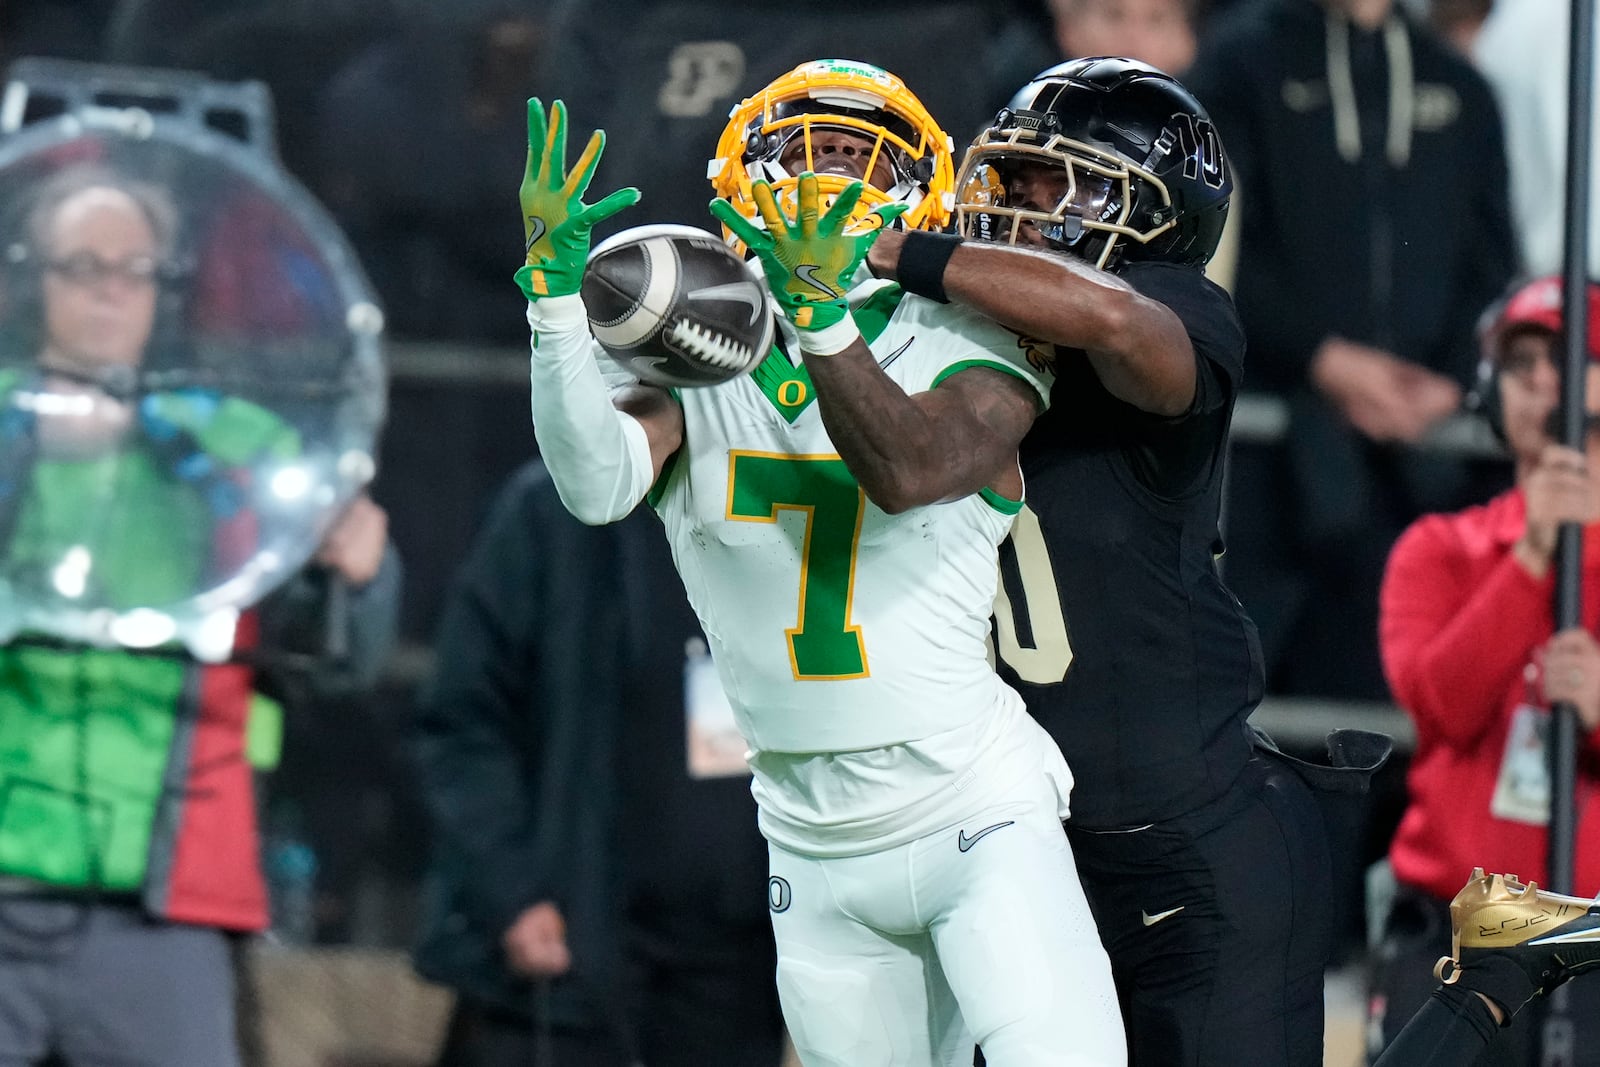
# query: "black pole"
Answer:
x=1574 y=376
x=1556 y=1032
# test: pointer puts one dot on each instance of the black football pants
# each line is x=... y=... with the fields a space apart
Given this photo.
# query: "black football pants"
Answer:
x=1218 y=925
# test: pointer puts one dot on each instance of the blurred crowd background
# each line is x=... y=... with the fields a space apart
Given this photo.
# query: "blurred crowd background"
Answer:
x=405 y=118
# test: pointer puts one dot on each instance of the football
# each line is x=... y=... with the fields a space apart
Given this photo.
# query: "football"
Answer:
x=676 y=306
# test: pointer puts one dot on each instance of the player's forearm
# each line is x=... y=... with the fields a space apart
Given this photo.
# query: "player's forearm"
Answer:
x=599 y=458
x=1139 y=349
x=898 y=447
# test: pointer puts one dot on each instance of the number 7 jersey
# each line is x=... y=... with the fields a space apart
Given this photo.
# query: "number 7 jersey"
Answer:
x=835 y=626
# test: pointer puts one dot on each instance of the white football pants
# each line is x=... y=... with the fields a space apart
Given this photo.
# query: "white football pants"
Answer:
x=902 y=958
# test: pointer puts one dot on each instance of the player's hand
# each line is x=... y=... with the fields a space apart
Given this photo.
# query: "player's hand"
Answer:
x=556 y=224
x=1572 y=673
x=808 y=262
x=1560 y=488
x=536 y=944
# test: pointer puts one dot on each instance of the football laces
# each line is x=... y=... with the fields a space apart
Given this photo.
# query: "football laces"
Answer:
x=708 y=346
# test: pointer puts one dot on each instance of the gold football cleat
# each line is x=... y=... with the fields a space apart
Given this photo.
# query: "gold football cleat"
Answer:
x=1550 y=936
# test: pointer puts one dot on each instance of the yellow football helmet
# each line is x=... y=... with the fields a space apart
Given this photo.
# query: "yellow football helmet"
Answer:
x=774 y=134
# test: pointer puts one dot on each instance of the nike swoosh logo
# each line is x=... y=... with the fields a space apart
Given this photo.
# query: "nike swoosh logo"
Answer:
x=1151 y=920
x=748 y=293
x=897 y=353
x=807 y=272
x=535 y=231
x=963 y=842
x=1576 y=937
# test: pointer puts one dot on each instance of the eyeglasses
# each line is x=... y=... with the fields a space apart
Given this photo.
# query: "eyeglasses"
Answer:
x=87 y=269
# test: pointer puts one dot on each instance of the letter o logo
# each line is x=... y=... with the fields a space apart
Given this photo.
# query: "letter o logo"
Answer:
x=792 y=393
x=779 y=895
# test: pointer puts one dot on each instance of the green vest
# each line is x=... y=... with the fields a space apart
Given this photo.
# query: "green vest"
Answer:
x=87 y=735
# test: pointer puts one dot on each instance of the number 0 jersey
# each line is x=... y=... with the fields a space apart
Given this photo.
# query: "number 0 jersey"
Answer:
x=1117 y=628
x=835 y=626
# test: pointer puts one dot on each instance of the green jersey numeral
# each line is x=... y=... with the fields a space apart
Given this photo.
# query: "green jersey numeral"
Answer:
x=824 y=645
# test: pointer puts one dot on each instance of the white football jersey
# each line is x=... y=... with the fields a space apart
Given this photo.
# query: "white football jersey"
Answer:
x=836 y=627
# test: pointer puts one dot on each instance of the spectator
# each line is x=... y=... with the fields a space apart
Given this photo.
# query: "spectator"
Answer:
x=1523 y=50
x=592 y=834
x=1458 y=21
x=1373 y=226
x=293 y=47
x=1470 y=648
x=409 y=133
x=1158 y=32
x=128 y=841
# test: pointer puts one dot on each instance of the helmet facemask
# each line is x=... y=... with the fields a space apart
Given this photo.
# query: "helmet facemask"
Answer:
x=1085 y=210
x=775 y=135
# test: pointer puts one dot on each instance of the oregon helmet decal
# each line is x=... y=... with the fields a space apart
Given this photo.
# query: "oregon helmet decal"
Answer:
x=1141 y=172
x=771 y=135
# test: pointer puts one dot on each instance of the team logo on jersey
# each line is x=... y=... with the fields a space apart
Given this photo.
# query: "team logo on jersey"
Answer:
x=779 y=895
x=1041 y=354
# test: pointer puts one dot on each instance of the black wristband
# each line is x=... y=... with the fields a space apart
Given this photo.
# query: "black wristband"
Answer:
x=923 y=257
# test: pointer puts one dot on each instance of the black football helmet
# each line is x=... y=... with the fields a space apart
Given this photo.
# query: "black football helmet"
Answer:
x=1145 y=174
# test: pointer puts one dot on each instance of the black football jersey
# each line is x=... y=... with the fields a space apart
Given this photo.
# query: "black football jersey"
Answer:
x=1114 y=623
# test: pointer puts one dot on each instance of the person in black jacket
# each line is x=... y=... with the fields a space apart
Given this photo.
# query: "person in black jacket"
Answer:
x=1085 y=214
x=597 y=893
x=1374 y=225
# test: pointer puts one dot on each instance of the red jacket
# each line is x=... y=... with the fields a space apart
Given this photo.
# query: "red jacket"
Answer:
x=206 y=869
x=1460 y=626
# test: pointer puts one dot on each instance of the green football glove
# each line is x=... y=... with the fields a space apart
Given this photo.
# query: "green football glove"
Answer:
x=808 y=264
x=556 y=223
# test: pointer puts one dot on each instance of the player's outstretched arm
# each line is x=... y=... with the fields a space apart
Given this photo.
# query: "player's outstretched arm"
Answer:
x=905 y=451
x=602 y=454
x=1138 y=346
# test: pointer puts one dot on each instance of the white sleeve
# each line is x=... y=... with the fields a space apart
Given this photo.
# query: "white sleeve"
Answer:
x=598 y=457
x=959 y=337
